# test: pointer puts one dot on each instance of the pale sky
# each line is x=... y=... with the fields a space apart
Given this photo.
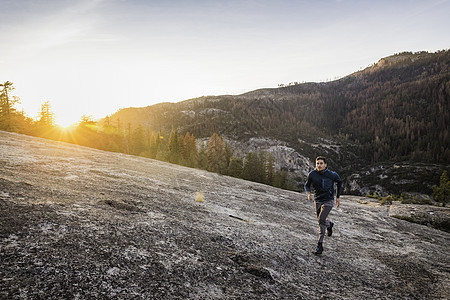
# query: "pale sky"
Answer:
x=95 y=57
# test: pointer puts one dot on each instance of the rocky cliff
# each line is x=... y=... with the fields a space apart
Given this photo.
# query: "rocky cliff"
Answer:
x=78 y=223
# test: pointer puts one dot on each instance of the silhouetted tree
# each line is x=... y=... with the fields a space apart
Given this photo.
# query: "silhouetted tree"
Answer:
x=138 y=143
x=7 y=103
x=46 y=115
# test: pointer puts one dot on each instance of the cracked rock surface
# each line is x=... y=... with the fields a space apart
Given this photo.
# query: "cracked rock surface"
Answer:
x=80 y=223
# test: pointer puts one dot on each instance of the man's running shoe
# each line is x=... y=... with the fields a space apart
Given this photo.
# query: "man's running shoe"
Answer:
x=330 y=229
x=319 y=249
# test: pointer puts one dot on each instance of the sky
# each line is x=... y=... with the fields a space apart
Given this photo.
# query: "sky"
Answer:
x=94 y=57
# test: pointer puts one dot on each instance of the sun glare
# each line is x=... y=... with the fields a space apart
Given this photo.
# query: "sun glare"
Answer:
x=67 y=127
x=65 y=120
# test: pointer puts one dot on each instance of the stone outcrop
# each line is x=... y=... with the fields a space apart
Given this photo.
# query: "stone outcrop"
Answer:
x=79 y=223
x=437 y=217
x=285 y=157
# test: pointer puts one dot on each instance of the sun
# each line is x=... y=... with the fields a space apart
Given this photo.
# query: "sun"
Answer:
x=66 y=122
x=66 y=127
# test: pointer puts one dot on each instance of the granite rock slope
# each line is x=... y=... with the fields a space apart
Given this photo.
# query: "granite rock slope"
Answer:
x=79 y=223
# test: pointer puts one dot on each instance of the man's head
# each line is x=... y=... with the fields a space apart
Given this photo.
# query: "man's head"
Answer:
x=321 y=163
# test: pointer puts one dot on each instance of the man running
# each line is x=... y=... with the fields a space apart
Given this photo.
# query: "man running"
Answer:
x=322 y=181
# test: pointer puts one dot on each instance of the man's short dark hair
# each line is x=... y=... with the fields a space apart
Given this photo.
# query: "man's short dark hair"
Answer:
x=321 y=158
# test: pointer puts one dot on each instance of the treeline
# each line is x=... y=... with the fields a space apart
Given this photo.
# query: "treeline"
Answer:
x=213 y=154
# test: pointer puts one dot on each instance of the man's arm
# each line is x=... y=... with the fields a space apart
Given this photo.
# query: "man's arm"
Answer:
x=308 y=187
x=339 y=189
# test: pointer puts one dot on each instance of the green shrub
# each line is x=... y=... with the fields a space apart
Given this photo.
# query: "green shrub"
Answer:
x=386 y=200
x=441 y=193
x=374 y=196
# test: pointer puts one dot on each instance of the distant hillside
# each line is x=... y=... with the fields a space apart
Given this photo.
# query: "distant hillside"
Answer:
x=394 y=111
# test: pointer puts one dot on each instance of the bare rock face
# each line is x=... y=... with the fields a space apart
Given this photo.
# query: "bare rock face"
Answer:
x=79 y=223
x=285 y=158
x=437 y=217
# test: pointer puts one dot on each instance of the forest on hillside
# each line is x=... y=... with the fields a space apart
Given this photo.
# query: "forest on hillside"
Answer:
x=395 y=110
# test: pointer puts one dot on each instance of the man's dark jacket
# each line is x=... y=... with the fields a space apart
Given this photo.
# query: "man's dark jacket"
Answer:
x=323 y=185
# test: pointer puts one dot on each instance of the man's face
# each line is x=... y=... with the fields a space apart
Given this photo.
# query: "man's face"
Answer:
x=320 y=165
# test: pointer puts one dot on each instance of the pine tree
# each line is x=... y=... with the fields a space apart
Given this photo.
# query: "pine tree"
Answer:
x=228 y=154
x=161 y=145
x=174 y=154
x=189 y=150
x=270 y=169
x=46 y=116
x=261 y=172
x=280 y=180
x=202 y=161
x=7 y=102
x=235 y=167
x=217 y=161
x=442 y=192
x=153 y=147
x=250 y=169
x=138 y=142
